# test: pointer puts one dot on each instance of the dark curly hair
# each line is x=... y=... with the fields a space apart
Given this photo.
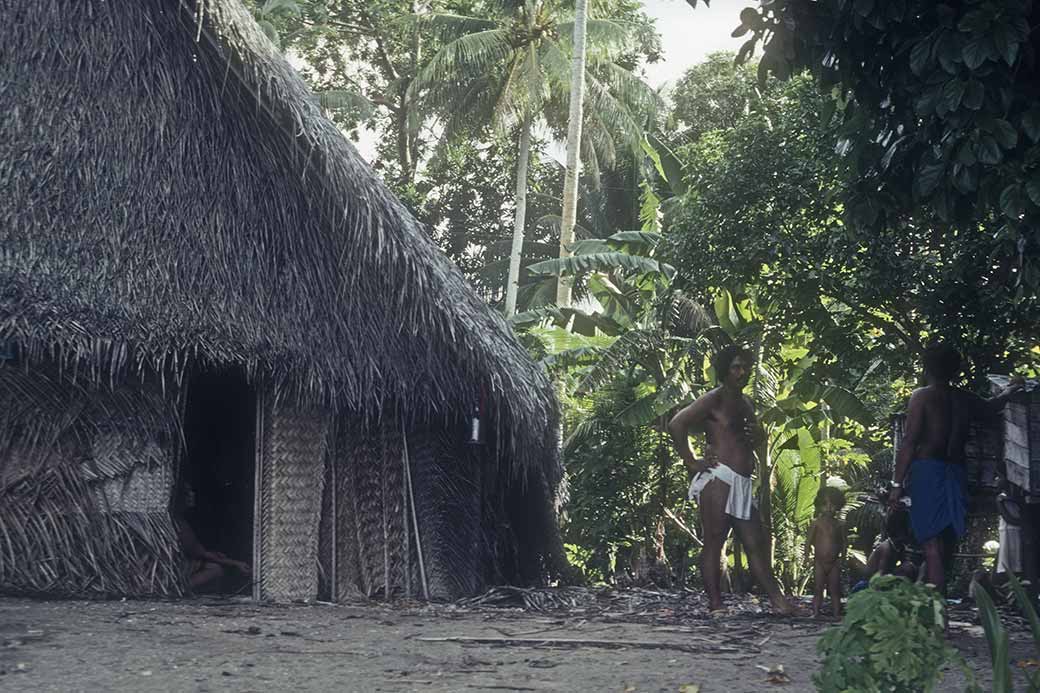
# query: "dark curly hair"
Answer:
x=724 y=357
x=835 y=496
x=942 y=361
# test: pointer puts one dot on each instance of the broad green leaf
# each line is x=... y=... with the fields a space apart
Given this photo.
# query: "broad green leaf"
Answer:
x=1006 y=42
x=1004 y=133
x=1031 y=123
x=976 y=52
x=670 y=164
x=1011 y=203
x=846 y=404
x=988 y=150
x=953 y=92
x=630 y=241
x=976 y=21
x=1025 y=604
x=974 y=95
x=600 y=262
x=726 y=314
x=649 y=150
x=1033 y=189
x=929 y=176
x=997 y=638
x=649 y=209
x=535 y=316
x=919 y=56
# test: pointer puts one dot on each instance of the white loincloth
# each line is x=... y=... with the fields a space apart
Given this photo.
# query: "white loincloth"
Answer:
x=741 y=496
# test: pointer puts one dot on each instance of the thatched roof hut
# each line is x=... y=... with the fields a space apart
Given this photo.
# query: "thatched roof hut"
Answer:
x=176 y=205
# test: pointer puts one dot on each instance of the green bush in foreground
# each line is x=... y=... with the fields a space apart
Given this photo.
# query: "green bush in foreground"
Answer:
x=890 y=641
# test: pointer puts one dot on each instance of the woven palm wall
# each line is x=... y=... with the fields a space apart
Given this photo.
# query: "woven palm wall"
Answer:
x=405 y=516
x=293 y=443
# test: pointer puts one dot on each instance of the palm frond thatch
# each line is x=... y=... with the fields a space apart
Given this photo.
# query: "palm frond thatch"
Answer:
x=199 y=208
x=83 y=503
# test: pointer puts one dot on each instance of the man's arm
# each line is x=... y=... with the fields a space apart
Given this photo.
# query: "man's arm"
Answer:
x=689 y=418
x=911 y=431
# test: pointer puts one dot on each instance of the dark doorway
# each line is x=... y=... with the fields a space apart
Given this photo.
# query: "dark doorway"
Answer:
x=219 y=465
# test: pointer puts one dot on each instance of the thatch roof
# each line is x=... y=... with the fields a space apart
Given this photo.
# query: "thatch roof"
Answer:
x=174 y=194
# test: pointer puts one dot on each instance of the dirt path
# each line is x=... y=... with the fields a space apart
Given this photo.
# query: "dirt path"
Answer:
x=210 y=645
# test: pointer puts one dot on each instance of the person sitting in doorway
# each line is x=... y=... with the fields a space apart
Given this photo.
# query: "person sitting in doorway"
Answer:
x=205 y=569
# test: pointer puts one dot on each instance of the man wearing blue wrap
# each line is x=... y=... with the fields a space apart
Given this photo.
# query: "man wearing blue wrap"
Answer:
x=938 y=419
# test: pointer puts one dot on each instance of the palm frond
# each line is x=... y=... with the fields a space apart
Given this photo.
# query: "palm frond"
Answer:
x=467 y=58
x=444 y=24
x=605 y=38
x=688 y=316
x=626 y=350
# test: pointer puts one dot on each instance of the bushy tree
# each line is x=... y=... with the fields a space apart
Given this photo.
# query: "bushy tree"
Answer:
x=935 y=111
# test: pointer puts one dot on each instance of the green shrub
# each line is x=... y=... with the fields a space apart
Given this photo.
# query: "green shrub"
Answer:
x=890 y=641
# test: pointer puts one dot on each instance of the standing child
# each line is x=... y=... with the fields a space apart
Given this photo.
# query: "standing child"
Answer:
x=827 y=541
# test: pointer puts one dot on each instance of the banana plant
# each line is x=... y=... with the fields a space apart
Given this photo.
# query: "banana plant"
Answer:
x=798 y=410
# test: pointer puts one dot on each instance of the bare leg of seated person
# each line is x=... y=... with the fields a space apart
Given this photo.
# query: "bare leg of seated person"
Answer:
x=205 y=575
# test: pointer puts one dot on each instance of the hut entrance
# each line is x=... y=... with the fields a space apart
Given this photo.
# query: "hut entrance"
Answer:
x=218 y=466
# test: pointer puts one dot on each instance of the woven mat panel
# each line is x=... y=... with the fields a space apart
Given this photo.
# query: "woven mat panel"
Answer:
x=291 y=479
x=348 y=577
x=395 y=537
x=366 y=464
x=448 y=500
x=326 y=527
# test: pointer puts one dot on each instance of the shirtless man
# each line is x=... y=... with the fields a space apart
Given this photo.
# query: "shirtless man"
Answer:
x=938 y=419
x=722 y=482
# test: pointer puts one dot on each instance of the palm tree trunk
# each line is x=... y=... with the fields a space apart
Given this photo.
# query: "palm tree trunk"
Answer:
x=564 y=284
x=513 y=282
x=765 y=467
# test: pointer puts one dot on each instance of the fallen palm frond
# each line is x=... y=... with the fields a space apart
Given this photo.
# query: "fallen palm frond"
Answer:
x=85 y=488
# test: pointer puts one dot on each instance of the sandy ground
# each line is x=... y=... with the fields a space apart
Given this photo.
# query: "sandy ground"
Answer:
x=222 y=645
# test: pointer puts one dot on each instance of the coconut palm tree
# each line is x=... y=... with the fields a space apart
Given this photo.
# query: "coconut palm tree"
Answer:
x=570 y=184
x=512 y=71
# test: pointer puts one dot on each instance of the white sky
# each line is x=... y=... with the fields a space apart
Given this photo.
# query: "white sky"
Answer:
x=687 y=37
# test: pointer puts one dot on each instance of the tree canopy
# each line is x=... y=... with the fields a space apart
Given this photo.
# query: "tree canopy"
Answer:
x=936 y=115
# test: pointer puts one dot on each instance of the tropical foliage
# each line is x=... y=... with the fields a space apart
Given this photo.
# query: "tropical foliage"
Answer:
x=934 y=111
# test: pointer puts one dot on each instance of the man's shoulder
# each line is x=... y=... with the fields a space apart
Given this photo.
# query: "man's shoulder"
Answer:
x=711 y=395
